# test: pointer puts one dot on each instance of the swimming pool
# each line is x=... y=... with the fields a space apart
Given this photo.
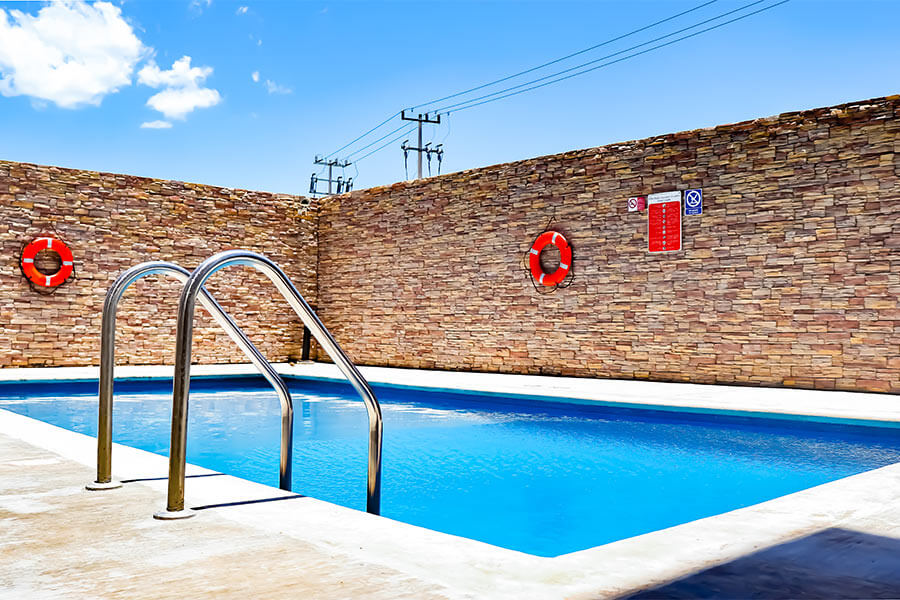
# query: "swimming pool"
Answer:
x=546 y=478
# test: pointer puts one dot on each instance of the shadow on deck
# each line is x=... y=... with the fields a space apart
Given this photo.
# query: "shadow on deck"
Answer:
x=833 y=563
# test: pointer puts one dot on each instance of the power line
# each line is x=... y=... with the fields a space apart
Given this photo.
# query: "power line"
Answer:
x=617 y=60
x=370 y=144
x=568 y=56
x=444 y=109
x=500 y=95
x=449 y=128
x=351 y=142
x=385 y=145
x=526 y=71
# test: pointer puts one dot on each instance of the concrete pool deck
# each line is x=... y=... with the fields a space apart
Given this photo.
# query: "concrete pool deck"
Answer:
x=841 y=539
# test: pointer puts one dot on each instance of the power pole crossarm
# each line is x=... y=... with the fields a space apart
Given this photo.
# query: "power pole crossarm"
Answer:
x=420 y=119
x=342 y=185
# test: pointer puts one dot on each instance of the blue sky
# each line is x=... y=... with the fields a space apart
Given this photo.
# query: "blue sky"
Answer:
x=268 y=85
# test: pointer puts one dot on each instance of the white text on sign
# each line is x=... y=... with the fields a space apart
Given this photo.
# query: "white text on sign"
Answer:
x=664 y=222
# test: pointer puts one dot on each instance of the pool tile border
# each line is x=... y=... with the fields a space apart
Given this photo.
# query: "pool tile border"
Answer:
x=823 y=405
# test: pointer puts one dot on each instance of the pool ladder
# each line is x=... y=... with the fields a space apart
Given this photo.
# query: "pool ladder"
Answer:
x=192 y=288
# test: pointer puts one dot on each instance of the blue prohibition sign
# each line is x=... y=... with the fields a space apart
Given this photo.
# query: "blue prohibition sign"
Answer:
x=693 y=202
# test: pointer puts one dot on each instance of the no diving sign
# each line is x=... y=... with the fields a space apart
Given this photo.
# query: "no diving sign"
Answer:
x=693 y=202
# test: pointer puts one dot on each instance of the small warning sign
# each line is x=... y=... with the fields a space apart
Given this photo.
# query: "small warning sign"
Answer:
x=664 y=222
x=693 y=202
x=636 y=203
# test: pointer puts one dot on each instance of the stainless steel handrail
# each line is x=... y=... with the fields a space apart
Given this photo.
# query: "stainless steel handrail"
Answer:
x=108 y=361
x=175 y=501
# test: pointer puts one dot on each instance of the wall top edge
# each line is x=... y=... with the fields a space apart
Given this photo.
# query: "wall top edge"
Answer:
x=834 y=111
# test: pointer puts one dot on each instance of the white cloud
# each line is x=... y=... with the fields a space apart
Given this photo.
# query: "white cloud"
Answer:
x=70 y=53
x=182 y=74
x=198 y=5
x=176 y=103
x=275 y=88
x=271 y=86
x=242 y=10
x=183 y=91
x=156 y=125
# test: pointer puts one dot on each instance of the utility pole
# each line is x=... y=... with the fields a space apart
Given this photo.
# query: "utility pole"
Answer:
x=342 y=186
x=420 y=149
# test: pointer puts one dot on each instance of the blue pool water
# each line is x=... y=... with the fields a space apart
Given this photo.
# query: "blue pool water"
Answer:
x=534 y=476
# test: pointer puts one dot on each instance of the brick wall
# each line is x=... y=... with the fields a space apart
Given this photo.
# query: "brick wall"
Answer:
x=790 y=277
x=112 y=222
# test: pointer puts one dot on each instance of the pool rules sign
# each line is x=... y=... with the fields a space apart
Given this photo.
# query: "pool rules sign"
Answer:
x=664 y=222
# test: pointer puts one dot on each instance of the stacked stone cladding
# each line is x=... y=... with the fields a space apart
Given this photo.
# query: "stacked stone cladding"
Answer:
x=790 y=277
x=112 y=222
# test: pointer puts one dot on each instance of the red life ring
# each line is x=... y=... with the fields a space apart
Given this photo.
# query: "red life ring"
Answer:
x=42 y=279
x=565 y=258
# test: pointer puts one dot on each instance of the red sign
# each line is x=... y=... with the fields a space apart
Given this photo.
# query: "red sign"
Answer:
x=665 y=222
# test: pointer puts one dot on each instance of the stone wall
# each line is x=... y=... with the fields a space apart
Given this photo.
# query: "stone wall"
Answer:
x=112 y=222
x=790 y=277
